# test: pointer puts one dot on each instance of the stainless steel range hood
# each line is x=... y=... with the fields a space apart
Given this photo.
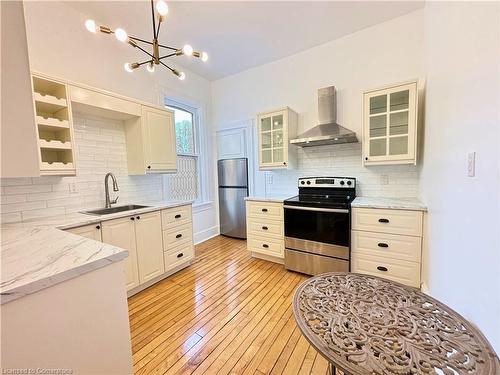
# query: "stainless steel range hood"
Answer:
x=327 y=132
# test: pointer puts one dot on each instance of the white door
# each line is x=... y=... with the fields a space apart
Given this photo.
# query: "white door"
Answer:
x=92 y=231
x=159 y=139
x=121 y=233
x=149 y=242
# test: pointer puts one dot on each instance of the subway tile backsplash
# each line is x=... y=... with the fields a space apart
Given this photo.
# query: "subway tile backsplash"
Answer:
x=345 y=161
x=100 y=148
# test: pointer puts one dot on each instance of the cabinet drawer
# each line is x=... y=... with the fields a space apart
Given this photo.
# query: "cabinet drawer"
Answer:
x=264 y=245
x=265 y=227
x=172 y=217
x=178 y=255
x=387 y=245
x=180 y=235
x=402 y=271
x=387 y=221
x=271 y=210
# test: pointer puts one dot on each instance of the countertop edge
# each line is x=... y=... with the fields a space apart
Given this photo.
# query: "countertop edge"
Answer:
x=36 y=286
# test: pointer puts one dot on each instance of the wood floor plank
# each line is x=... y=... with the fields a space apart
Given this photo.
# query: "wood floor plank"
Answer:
x=225 y=313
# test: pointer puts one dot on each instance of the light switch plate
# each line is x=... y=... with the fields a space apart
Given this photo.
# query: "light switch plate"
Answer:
x=73 y=188
x=471 y=164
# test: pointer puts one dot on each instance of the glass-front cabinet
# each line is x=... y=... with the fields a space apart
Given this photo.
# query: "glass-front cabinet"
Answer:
x=275 y=129
x=390 y=125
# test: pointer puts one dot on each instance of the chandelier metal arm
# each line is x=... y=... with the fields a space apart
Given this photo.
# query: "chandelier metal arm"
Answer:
x=146 y=52
x=170 y=55
x=154 y=22
x=140 y=40
x=166 y=66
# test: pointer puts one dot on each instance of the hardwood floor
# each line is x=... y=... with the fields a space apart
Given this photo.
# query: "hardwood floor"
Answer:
x=226 y=313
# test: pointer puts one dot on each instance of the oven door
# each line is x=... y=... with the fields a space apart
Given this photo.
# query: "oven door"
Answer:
x=323 y=231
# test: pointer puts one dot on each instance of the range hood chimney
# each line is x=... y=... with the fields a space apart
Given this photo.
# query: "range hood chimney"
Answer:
x=327 y=132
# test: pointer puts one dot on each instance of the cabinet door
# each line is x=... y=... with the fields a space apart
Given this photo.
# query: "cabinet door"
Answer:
x=273 y=140
x=390 y=120
x=159 y=139
x=92 y=231
x=149 y=246
x=121 y=233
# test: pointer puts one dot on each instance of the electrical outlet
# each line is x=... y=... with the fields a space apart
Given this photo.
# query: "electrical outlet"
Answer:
x=384 y=179
x=471 y=164
x=73 y=188
x=270 y=179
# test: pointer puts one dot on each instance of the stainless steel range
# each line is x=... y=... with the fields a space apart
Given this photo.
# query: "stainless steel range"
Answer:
x=318 y=225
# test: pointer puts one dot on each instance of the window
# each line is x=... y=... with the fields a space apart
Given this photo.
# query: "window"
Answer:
x=185 y=184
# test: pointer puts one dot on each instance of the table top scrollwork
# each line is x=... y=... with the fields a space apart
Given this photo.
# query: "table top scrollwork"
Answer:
x=369 y=325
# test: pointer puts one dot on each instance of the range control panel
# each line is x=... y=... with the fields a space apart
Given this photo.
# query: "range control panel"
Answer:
x=327 y=182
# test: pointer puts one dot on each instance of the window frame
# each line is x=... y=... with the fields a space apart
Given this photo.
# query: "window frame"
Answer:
x=193 y=112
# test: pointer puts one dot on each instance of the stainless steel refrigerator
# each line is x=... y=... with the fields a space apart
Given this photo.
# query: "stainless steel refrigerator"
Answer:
x=233 y=188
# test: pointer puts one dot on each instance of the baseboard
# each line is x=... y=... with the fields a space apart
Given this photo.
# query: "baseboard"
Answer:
x=206 y=234
x=424 y=289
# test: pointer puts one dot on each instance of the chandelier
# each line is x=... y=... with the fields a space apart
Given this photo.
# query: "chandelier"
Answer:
x=155 y=57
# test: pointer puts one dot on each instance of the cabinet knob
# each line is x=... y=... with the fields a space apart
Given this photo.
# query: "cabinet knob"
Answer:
x=138 y=217
x=383 y=220
x=381 y=244
x=97 y=227
x=178 y=216
x=265 y=228
x=382 y=268
x=265 y=245
x=178 y=236
x=149 y=167
x=284 y=163
x=264 y=210
x=366 y=158
x=132 y=218
x=180 y=255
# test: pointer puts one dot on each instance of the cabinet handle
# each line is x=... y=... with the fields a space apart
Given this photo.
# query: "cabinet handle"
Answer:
x=265 y=246
x=149 y=167
x=366 y=158
x=381 y=244
x=178 y=216
x=178 y=236
x=132 y=218
x=265 y=228
x=284 y=163
x=180 y=255
x=138 y=217
x=264 y=210
x=97 y=227
x=382 y=268
x=383 y=220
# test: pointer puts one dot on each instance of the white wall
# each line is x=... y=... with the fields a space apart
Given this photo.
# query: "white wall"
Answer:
x=383 y=54
x=462 y=115
x=59 y=45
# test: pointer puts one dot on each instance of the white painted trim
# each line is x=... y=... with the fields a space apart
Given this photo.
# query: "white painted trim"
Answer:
x=200 y=207
x=425 y=289
x=206 y=234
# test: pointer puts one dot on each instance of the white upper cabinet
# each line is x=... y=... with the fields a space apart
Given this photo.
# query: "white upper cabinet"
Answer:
x=275 y=129
x=390 y=125
x=151 y=145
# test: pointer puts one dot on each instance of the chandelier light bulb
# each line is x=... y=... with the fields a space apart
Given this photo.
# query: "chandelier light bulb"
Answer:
x=121 y=35
x=90 y=26
x=204 y=56
x=162 y=7
x=150 y=67
x=128 y=67
x=187 y=50
x=182 y=76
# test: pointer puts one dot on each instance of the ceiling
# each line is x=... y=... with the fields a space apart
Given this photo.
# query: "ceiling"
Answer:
x=242 y=35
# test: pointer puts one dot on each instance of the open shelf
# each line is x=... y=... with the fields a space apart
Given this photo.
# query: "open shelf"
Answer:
x=55 y=130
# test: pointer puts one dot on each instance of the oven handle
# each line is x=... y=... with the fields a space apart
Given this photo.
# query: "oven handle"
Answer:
x=344 y=211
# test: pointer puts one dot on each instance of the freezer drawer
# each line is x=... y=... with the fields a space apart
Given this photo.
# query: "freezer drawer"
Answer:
x=232 y=212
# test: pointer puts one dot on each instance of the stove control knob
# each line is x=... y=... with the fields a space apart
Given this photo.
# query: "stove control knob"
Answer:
x=309 y=182
x=302 y=182
x=342 y=182
x=349 y=183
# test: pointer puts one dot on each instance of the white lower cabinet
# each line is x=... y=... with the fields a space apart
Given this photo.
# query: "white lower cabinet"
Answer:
x=387 y=243
x=177 y=225
x=149 y=246
x=92 y=231
x=121 y=233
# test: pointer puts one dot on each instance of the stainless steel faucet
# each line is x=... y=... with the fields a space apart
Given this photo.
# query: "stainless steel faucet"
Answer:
x=106 y=189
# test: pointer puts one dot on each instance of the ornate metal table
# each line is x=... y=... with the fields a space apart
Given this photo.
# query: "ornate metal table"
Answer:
x=368 y=325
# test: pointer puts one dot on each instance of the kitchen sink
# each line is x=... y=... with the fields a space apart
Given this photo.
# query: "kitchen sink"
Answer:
x=114 y=210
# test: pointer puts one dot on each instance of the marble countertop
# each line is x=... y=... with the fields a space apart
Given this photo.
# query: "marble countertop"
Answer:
x=412 y=204
x=272 y=198
x=37 y=254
